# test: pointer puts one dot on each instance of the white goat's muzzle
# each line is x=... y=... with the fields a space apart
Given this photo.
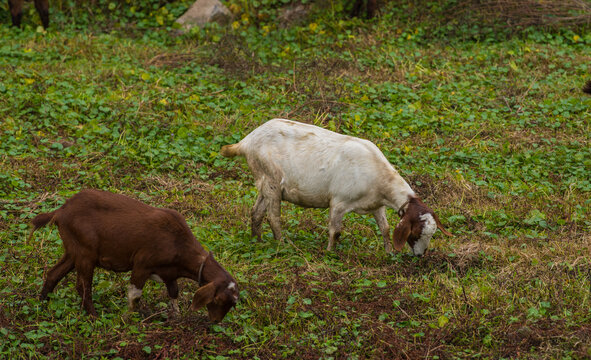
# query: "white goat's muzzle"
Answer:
x=429 y=228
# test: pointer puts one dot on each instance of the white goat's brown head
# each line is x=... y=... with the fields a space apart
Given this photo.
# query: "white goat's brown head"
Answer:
x=417 y=225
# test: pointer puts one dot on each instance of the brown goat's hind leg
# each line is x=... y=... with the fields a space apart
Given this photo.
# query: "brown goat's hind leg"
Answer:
x=173 y=292
x=16 y=11
x=42 y=7
x=139 y=276
x=84 y=285
x=55 y=274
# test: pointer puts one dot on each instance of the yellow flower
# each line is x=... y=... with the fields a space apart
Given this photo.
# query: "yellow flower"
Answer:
x=235 y=8
x=313 y=26
x=245 y=19
x=163 y=102
x=576 y=38
x=266 y=29
x=235 y=25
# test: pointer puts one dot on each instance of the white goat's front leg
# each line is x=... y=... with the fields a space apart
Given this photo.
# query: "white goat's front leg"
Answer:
x=380 y=216
x=335 y=223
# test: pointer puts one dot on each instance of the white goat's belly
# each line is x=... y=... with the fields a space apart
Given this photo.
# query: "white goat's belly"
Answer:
x=305 y=198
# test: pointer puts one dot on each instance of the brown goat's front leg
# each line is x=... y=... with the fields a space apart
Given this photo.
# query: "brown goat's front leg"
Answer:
x=55 y=274
x=85 y=270
x=382 y=221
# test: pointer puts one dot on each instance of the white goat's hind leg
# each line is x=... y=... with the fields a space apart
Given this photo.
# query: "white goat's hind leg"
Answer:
x=335 y=223
x=275 y=218
x=271 y=192
x=257 y=215
x=380 y=216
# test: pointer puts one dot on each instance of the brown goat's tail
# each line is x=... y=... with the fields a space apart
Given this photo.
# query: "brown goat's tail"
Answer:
x=587 y=87
x=231 y=150
x=40 y=221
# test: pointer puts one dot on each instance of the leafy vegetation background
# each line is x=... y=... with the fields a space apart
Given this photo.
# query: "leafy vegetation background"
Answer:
x=486 y=122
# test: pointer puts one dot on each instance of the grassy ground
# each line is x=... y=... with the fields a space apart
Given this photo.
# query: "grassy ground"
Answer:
x=492 y=131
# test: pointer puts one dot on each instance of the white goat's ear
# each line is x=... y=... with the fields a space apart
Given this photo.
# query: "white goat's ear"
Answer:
x=440 y=226
x=203 y=296
x=401 y=233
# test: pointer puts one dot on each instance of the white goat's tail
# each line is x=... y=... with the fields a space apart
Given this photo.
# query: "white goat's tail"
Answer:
x=231 y=150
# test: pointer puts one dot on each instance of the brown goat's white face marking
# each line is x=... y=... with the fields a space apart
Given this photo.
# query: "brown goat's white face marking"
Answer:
x=232 y=286
x=429 y=228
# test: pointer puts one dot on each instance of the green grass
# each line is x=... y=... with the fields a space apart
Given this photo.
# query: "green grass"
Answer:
x=491 y=130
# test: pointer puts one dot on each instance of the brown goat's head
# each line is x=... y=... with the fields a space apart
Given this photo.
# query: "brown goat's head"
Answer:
x=219 y=295
x=416 y=227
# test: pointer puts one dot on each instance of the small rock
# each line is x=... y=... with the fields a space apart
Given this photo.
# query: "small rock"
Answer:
x=293 y=15
x=203 y=12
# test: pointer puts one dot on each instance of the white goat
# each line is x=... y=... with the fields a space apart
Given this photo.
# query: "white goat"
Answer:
x=314 y=167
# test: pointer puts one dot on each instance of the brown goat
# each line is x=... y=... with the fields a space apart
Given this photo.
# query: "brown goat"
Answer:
x=16 y=11
x=371 y=7
x=115 y=232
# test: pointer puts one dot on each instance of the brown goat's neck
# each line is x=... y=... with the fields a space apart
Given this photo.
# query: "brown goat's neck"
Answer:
x=203 y=269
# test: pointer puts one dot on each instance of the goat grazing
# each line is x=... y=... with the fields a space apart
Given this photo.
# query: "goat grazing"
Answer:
x=115 y=232
x=16 y=11
x=314 y=167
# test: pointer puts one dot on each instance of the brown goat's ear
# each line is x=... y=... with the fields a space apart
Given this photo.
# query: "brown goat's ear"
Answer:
x=440 y=226
x=401 y=233
x=203 y=296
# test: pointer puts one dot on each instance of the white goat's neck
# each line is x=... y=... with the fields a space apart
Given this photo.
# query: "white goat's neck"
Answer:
x=399 y=192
